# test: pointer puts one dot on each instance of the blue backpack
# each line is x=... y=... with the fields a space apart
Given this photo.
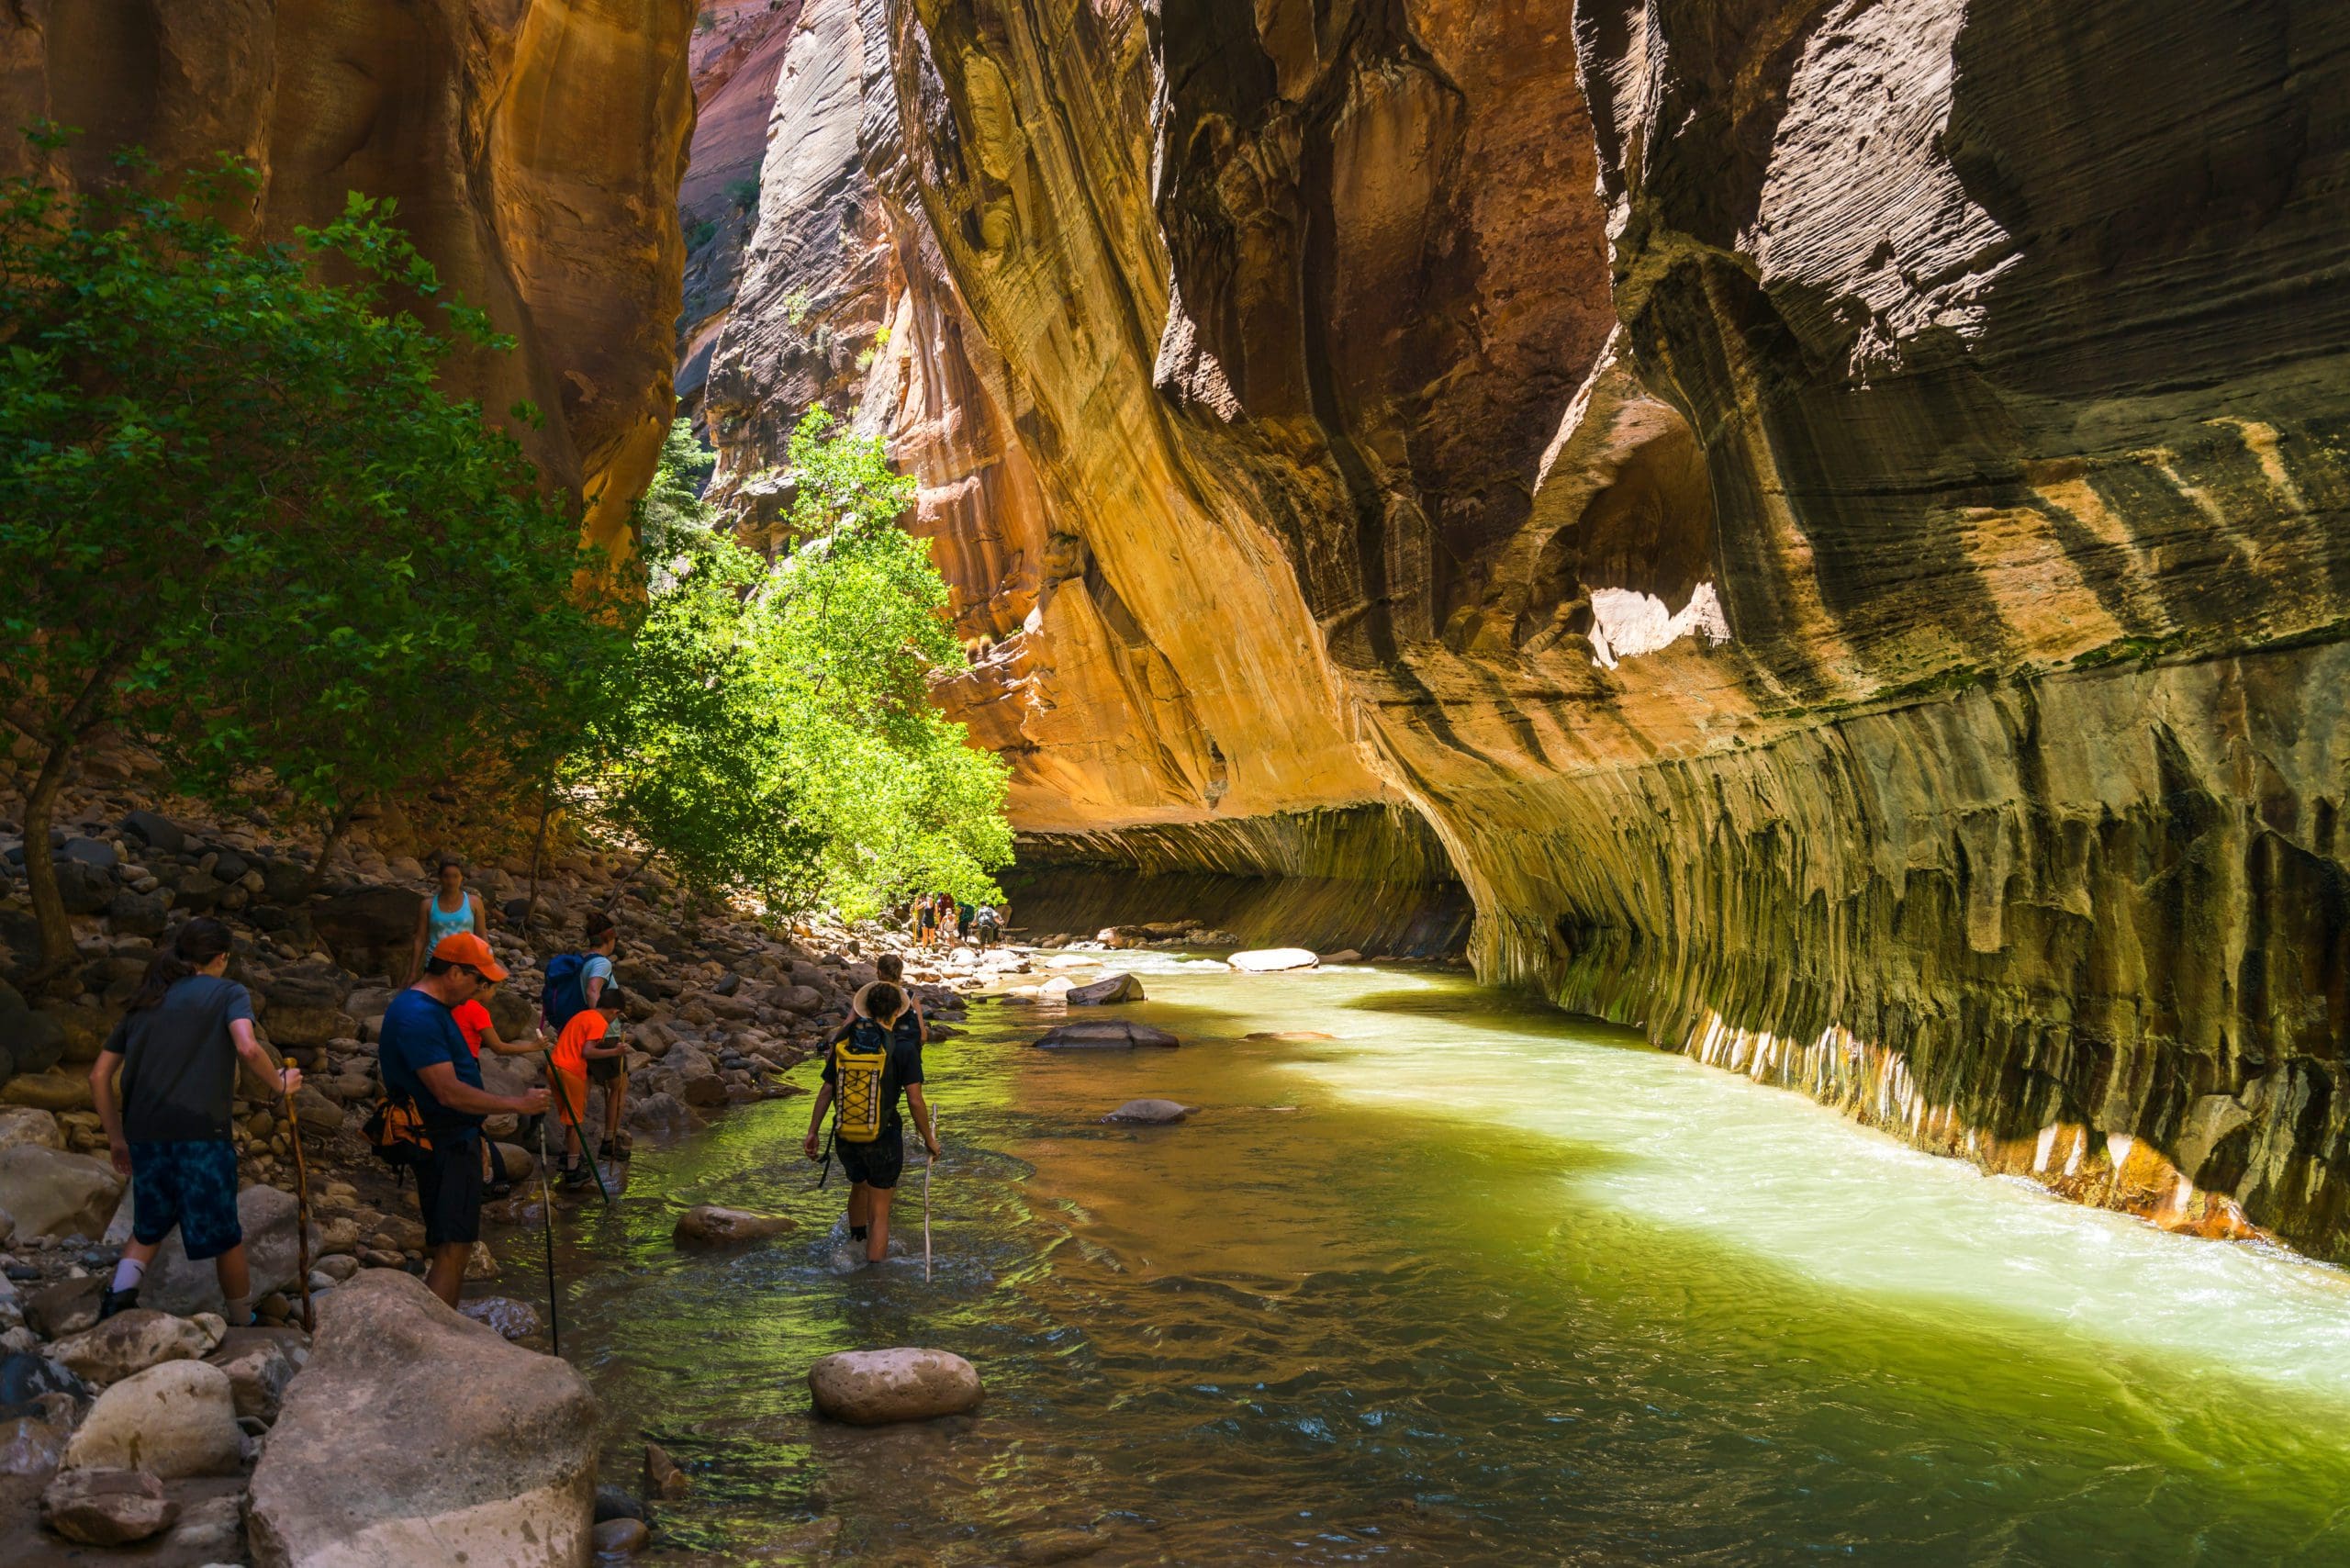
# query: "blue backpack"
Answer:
x=565 y=995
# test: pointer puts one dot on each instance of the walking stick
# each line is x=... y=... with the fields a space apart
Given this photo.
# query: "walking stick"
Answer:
x=546 y=1217
x=928 y=1160
x=577 y=1118
x=301 y=1202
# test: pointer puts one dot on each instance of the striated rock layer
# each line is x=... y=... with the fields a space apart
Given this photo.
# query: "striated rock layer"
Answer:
x=533 y=147
x=1832 y=513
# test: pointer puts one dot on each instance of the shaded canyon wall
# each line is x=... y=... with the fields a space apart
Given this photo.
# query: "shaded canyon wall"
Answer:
x=533 y=147
x=1831 y=514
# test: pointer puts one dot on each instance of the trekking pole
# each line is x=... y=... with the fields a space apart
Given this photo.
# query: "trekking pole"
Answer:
x=301 y=1202
x=546 y=1218
x=928 y=1160
x=586 y=1156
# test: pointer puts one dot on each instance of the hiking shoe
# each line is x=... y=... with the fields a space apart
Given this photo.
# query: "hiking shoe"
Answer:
x=113 y=1302
x=622 y=1146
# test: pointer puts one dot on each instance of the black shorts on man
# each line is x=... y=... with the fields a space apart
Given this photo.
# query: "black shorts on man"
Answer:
x=448 y=1189
x=875 y=1164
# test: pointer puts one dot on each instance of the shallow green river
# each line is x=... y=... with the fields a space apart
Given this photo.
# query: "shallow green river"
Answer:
x=1474 y=1283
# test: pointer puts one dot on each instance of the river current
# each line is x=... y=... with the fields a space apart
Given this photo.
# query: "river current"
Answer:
x=1472 y=1281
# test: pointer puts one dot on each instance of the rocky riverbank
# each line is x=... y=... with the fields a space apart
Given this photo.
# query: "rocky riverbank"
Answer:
x=148 y=1428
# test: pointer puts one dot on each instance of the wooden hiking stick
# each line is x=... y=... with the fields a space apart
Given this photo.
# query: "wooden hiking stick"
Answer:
x=301 y=1202
x=546 y=1218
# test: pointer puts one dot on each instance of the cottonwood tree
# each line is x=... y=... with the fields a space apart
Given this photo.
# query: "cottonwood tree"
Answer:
x=770 y=731
x=239 y=520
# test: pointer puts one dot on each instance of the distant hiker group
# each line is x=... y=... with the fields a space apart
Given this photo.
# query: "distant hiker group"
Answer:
x=940 y=920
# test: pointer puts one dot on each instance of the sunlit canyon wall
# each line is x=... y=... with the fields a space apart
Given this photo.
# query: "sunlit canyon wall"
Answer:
x=1832 y=515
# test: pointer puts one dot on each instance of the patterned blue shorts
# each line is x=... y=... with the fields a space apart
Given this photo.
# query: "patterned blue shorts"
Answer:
x=192 y=1185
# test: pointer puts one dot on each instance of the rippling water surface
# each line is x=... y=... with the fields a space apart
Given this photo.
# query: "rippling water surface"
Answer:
x=1471 y=1283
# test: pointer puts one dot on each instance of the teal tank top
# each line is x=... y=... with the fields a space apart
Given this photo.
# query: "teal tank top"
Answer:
x=440 y=922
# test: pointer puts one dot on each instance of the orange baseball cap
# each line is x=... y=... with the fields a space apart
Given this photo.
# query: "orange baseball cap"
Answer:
x=470 y=950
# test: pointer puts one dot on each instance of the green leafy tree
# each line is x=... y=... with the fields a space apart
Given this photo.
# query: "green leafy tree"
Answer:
x=771 y=732
x=241 y=523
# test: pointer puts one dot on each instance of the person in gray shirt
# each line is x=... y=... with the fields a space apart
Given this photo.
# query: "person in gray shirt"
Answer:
x=177 y=1049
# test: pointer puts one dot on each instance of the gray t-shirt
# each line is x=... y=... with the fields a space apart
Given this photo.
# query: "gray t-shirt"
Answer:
x=179 y=1070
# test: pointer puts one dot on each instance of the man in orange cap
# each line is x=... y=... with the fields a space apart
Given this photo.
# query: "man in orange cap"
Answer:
x=424 y=1059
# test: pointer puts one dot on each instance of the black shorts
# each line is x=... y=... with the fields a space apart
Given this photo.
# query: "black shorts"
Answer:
x=603 y=1069
x=448 y=1188
x=877 y=1164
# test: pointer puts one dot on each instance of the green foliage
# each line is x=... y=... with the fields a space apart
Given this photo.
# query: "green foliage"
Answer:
x=700 y=234
x=240 y=521
x=706 y=22
x=773 y=731
x=796 y=306
x=744 y=194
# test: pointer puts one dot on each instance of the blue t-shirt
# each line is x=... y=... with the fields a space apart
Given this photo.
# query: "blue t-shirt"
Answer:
x=419 y=1032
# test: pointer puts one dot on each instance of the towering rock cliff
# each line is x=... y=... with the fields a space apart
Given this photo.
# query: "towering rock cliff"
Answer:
x=534 y=148
x=1833 y=514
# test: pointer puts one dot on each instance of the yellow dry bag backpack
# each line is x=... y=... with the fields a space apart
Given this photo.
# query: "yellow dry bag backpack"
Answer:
x=860 y=1063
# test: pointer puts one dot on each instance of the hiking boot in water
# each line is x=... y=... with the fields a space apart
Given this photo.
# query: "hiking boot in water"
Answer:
x=622 y=1144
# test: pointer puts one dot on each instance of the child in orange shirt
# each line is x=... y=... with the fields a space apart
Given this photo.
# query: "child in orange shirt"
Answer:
x=583 y=1040
x=473 y=1022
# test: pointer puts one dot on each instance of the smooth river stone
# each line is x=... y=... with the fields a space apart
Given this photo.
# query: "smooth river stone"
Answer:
x=873 y=1388
x=1109 y=1035
x=1109 y=989
x=1268 y=960
x=706 y=1224
x=1151 y=1113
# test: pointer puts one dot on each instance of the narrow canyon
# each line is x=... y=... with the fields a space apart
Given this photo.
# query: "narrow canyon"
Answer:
x=1813 y=530
x=1821 y=524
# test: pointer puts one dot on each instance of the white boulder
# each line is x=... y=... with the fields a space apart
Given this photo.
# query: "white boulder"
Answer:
x=1269 y=961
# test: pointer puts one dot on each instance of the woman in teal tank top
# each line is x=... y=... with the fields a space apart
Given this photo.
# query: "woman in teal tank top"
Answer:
x=448 y=909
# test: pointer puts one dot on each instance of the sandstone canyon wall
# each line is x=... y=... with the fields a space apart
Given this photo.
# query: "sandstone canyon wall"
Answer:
x=1832 y=514
x=534 y=148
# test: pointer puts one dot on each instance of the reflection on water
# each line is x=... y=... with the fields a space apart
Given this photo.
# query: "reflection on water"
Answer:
x=1472 y=1282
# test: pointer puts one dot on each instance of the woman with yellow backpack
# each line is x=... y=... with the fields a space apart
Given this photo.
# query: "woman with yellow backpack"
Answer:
x=871 y=1060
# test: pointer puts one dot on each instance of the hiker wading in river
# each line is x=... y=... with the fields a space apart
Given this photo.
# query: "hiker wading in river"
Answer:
x=425 y=1060
x=586 y=1042
x=178 y=1048
x=449 y=909
x=870 y=1063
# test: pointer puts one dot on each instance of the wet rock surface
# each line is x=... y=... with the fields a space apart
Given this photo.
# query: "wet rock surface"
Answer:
x=871 y=1388
x=1105 y=1035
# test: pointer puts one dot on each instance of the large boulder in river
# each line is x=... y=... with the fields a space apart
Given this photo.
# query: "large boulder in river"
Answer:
x=1109 y=989
x=1268 y=960
x=51 y=1192
x=416 y=1437
x=1104 y=1035
x=872 y=1388
x=268 y=1214
x=1149 y=1113
x=706 y=1224
x=24 y=1125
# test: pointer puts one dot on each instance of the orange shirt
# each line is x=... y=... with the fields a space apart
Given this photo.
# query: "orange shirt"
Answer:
x=473 y=1022
x=571 y=1045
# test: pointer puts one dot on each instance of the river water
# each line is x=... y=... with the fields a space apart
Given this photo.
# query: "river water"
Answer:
x=1473 y=1282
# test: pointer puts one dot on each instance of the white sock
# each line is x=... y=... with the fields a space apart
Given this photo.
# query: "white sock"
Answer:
x=127 y=1273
